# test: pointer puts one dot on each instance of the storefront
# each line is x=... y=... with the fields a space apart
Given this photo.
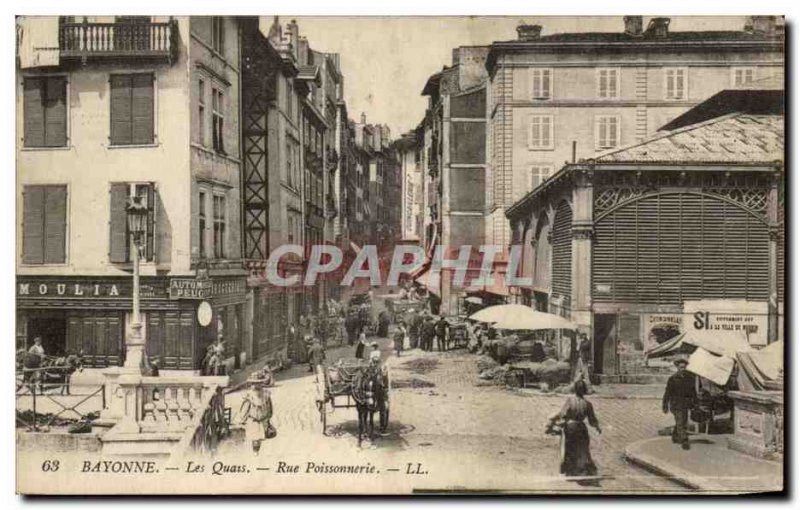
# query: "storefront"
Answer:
x=89 y=315
x=660 y=238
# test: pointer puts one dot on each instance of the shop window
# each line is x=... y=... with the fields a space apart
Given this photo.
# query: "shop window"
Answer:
x=44 y=224
x=45 y=111
x=120 y=240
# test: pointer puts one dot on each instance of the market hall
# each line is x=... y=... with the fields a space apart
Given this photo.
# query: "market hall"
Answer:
x=681 y=232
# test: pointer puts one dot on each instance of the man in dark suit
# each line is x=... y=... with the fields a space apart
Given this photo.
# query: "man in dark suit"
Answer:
x=428 y=332
x=679 y=398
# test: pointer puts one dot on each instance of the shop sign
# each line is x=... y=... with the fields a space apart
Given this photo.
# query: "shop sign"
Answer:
x=221 y=288
x=657 y=328
x=189 y=288
x=725 y=317
x=62 y=289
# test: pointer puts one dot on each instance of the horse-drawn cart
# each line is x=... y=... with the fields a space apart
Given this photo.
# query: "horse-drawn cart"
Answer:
x=353 y=382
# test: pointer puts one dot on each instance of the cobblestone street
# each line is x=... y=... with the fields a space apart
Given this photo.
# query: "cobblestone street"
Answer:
x=488 y=437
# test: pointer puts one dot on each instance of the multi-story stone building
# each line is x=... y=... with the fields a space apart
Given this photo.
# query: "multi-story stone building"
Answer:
x=114 y=107
x=411 y=204
x=454 y=154
x=566 y=96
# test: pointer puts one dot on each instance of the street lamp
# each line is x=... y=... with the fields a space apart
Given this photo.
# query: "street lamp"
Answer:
x=134 y=342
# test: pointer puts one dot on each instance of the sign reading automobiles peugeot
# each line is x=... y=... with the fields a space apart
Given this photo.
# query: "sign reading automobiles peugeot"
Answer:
x=190 y=288
x=728 y=316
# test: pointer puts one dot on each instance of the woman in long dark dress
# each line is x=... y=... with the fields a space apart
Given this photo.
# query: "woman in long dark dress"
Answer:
x=576 y=457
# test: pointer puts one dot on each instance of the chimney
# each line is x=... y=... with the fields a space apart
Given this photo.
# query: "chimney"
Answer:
x=292 y=33
x=763 y=25
x=302 y=51
x=633 y=25
x=363 y=118
x=529 y=32
x=658 y=28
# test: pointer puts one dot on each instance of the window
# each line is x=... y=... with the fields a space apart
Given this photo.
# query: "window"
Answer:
x=290 y=164
x=202 y=225
x=219 y=226
x=201 y=112
x=132 y=109
x=290 y=99
x=217 y=34
x=542 y=86
x=607 y=131
x=44 y=224
x=217 y=120
x=538 y=174
x=743 y=76
x=675 y=84
x=540 y=136
x=119 y=237
x=607 y=83
x=45 y=111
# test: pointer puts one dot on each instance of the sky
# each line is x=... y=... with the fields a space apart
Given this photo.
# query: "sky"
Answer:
x=387 y=60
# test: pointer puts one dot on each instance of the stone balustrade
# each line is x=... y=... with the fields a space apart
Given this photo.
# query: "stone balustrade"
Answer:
x=162 y=404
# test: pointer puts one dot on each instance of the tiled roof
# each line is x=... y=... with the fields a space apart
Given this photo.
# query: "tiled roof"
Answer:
x=734 y=138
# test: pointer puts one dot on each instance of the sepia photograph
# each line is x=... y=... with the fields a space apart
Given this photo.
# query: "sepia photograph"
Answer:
x=399 y=255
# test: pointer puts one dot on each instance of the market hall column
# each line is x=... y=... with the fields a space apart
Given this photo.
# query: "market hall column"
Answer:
x=775 y=226
x=582 y=234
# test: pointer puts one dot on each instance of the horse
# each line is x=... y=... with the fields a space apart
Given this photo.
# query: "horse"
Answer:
x=369 y=390
x=59 y=370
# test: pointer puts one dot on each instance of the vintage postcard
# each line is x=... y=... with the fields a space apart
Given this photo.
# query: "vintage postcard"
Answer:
x=400 y=255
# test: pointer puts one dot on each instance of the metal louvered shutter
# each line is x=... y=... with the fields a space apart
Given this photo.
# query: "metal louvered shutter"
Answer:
x=561 y=279
x=669 y=248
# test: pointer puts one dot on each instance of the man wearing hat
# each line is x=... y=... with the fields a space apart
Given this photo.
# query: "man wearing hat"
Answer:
x=679 y=398
x=375 y=355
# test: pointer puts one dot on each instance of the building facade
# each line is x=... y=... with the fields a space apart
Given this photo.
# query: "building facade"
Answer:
x=454 y=145
x=678 y=233
x=101 y=117
x=562 y=97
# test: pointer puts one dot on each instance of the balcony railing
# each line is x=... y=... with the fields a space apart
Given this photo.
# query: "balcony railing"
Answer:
x=93 y=40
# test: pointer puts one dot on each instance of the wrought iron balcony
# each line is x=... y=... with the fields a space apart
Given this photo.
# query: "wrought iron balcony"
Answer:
x=118 y=40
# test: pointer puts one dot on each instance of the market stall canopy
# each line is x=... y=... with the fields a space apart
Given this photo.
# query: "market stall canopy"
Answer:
x=520 y=317
x=714 y=368
x=475 y=300
x=759 y=368
x=725 y=344
x=430 y=280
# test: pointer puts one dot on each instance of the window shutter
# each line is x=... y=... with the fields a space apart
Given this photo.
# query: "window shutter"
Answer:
x=537 y=84
x=547 y=124
x=680 y=79
x=142 y=101
x=150 y=249
x=613 y=132
x=118 y=223
x=33 y=225
x=55 y=224
x=603 y=84
x=670 y=84
x=56 y=112
x=546 y=84
x=121 y=110
x=612 y=84
x=33 y=112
